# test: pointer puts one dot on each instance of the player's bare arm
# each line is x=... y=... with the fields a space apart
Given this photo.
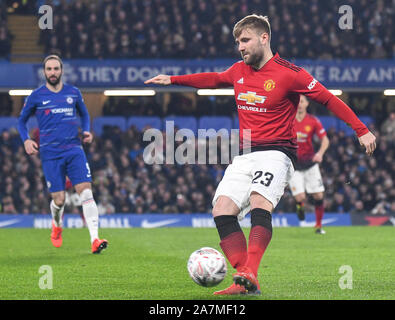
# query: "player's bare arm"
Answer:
x=87 y=137
x=320 y=153
x=368 y=141
x=161 y=79
x=31 y=147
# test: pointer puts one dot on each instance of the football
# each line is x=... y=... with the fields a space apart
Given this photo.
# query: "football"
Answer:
x=207 y=267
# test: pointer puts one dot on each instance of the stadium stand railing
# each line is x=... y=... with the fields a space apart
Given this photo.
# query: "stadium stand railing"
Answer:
x=187 y=122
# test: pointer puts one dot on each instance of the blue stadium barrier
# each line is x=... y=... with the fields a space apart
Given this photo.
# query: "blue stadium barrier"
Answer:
x=216 y=123
x=140 y=122
x=235 y=124
x=328 y=122
x=99 y=122
x=149 y=220
x=6 y=123
x=182 y=122
x=206 y=122
x=367 y=120
x=342 y=126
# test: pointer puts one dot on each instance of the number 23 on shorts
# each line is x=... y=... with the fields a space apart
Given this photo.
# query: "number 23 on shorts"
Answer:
x=266 y=180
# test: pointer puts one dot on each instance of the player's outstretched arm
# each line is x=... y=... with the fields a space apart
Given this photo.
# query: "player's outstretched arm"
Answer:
x=159 y=79
x=31 y=147
x=368 y=140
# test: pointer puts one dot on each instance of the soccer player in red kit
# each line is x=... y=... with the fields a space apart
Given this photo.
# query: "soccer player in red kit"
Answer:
x=307 y=176
x=267 y=92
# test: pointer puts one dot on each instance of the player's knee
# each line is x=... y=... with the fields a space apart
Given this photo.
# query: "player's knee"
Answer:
x=259 y=201
x=86 y=195
x=59 y=200
x=319 y=196
x=300 y=197
x=225 y=206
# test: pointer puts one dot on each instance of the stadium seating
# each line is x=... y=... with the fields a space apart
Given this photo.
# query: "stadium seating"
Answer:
x=216 y=123
x=342 y=126
x=7 y=123
x=192 y=123
x=140 y=122
x=328 y=122
x=235 y=123
x=182 y=122
x=99 y=122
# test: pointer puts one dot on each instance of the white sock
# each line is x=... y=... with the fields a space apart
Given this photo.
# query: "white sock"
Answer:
x=91 y=213
x=57 y=214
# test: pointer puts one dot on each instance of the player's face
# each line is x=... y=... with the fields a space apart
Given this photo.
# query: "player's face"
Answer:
x=250 y=46
x=303 y=104
x=53 y=72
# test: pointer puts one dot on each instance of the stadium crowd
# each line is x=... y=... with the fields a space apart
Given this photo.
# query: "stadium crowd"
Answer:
x=203 y=29
x=5 y=35
x=123 y=182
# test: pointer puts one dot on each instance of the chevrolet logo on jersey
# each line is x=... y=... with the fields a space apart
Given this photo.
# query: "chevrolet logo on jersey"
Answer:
x=251 y=97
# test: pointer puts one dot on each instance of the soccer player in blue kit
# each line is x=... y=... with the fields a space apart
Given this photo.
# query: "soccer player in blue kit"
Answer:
x=55 y=106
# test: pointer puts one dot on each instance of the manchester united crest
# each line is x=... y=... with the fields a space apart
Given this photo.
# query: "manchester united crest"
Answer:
x=269 y=85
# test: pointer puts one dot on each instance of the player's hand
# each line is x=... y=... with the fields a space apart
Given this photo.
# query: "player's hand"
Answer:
x=159 y=79
x=31 y=147
x=368 y=141
x=87 y=137
x=317 y=157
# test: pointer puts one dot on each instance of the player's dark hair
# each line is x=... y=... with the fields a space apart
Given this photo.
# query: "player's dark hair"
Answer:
x=253 y=21
x=53 y=57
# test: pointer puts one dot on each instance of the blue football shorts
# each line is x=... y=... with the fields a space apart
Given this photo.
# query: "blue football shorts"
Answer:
x=73 y=165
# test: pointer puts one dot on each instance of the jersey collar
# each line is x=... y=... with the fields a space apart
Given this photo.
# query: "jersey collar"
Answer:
x=275 y=56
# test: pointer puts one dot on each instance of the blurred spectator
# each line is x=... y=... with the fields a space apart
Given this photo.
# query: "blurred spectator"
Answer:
x=22 y=6
x=5 y=42
x=8 y=205
x=124 y=183
x=388 y=128
x=203 y=29
x=5 y=35
x=358 y=208
x=104 y=206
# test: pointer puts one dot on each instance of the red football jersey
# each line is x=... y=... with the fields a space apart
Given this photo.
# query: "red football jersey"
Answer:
x=267 y=101
x=305 y=131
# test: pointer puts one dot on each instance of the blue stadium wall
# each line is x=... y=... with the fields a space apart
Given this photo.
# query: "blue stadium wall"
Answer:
x=194 y=220
x=334 y=74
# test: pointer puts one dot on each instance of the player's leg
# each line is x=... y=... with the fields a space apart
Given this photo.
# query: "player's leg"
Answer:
x=91 y=214
x=297 y=187
x=54 y=172
x=315 y=187
x=272 y=171
x=232 y=239
x=319 y=211
x=259 y=238
x=229 y=199
x=57 y=207
x=79 y=174
x=300 y=200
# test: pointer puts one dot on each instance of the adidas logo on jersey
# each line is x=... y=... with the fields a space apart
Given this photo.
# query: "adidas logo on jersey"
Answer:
x=241 y=81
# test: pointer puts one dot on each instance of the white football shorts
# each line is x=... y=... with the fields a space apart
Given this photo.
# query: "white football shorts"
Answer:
x=265 y=172
x=309 y=181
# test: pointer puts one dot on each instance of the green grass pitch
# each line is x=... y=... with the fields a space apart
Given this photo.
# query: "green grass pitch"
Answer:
x=150 y=264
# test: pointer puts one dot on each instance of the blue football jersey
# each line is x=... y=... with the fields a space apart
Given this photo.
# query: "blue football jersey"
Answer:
x=57 y=117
